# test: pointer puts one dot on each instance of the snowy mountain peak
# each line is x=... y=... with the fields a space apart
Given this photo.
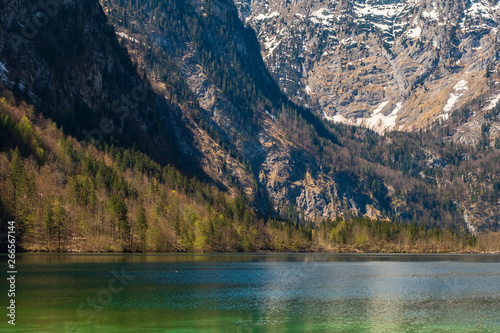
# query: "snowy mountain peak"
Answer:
x=346 y=58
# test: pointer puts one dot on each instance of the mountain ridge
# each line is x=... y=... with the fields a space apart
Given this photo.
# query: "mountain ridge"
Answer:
x=377 y=63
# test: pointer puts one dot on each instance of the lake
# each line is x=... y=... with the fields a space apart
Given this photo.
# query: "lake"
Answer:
x=256 y=293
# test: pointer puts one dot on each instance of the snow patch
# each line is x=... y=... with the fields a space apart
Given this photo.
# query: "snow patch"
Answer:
x=124 y=35
x=261 y=17
x=3 y=70
x=397 y=109
x=472 y=228
x=458 y=90
x=309 y=91
x=383 y=27
x=461 y=86
x=270 y=115
x=451 y=102
x=348 y=41
x=3 y=77
x=338 y=118
x=379 y=122
x=380 y=108
x=478 y=9
x=322 y=16
x=493 y=103
x=414 y=32
x=386 y=10
x=433 y=15
x=271 y=45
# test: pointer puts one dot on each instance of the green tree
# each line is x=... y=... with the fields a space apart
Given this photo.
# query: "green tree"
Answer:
x=58 y=218
x=142 y=223
x=119 y=212
x=48 y=220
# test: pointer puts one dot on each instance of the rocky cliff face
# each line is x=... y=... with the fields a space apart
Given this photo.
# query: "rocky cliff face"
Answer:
x=383 y=64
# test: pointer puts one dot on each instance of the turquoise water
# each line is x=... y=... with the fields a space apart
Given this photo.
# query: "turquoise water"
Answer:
x=256 y=293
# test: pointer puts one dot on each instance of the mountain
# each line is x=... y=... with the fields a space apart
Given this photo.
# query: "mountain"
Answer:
x=284 y=158
x=383 y=64
x=214 y=111
x=247 y=133
x=63 y=195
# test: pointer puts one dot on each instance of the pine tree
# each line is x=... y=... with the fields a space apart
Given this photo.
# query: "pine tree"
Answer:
x=119 y=212
x=142 y=224
x=18 y=175
x=58 y=218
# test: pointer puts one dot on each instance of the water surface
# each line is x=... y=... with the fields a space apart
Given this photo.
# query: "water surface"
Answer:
x=257 y=293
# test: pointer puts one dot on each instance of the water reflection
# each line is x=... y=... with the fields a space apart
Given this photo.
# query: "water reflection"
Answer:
x=383 y=303
x=263 y=293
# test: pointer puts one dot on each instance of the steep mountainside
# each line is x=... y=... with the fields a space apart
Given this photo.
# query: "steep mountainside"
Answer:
x=67 y=197
x=215 y=110
x=282 y=157
x=62 y=70
x=72 y=68
x=383 y=64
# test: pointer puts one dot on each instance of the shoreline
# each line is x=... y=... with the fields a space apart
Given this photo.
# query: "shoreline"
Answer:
x=256 y=253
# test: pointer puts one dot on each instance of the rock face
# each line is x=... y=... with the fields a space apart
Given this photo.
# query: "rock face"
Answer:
x=383 y=64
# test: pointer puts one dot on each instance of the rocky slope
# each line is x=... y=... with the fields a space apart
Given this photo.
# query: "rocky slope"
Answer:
x=253 y=155
x=383 y=64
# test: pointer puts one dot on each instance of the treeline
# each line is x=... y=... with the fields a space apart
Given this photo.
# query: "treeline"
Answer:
x=436 y=177
x=68 y=197
x=384 y=236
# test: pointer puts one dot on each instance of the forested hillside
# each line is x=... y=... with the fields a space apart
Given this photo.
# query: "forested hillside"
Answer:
x=65 y=196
